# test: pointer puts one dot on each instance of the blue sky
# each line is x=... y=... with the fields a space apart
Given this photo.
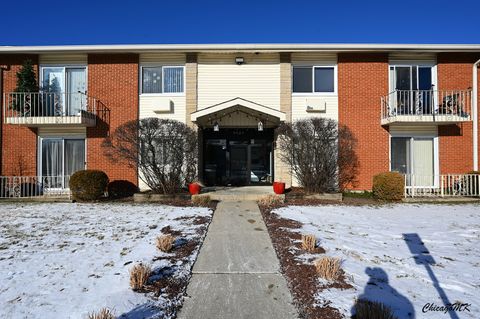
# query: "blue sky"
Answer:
x=240 y=21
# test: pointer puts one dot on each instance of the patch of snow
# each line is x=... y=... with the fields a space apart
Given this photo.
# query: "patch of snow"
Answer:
x=67 y=260
x=378 y=245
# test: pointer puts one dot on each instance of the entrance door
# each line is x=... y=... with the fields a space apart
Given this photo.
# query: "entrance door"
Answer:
x=237 y=157
x=239 y=164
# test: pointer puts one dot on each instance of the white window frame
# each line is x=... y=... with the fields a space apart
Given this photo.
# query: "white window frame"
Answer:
x=436 y=162
x=62 y=138
x=64 y=67
x=313 y=67
x=163 y=66
x=418 y=64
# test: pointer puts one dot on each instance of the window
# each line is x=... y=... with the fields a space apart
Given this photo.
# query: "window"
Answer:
x=414 y=156
x=67 y=86
x=162 y=79
x=313 y=79
x=60 y=158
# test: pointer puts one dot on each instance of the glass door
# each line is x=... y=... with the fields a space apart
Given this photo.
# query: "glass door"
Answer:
x=239 y=164
x=413 y=86
x=52 y=163
x=60 y=158
x=53 y=85
x=76 y=88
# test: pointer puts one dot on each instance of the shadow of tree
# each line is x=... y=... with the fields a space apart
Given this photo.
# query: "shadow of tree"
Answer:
x=378 y=289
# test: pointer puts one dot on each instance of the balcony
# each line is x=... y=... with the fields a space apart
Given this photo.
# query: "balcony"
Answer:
x=426 y=107
x=49 y=109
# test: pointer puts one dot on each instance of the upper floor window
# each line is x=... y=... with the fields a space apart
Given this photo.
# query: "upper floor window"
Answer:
x=162 y=79
x=411 y=77
x=313 y=79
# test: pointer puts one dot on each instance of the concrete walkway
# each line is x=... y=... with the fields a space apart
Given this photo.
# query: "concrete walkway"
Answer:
x=237 y=273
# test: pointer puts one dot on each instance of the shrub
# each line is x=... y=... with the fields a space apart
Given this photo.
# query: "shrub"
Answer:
x=88 y=185
x=165 y=152
x=271 y=200
x=104 y=313
x=139 y=275
x=365 y=309
x=201 y=200
x=165 y=243
x=121 y=189
x=309 y=242
x=328 y=268
x=320 y=153
x=388 y=186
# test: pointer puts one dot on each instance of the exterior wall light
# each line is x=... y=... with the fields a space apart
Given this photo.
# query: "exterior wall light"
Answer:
x=239 y=60
x=260 y=126
x=216 y=127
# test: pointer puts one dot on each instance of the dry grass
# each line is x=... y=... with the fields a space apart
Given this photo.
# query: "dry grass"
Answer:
x=328 y=268
x=104 y=313
x=201 y=200
x=139 y=275
x=309 y=242
x=271 y=200
x=165 y=243
x=365 y=309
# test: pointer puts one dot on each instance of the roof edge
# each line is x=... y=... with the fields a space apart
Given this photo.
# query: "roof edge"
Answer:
x=274 y=47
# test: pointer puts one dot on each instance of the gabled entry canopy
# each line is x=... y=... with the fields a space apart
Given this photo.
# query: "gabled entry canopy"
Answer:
x=238 y=112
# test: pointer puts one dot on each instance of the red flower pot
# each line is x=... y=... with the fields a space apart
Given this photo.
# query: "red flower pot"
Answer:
x=279 y=188
x=194 y=188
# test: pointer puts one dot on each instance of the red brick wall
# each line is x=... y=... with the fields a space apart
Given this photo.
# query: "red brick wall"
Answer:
x=113 y=80
x=455 y=141
x=362 y=80
x=19 y=143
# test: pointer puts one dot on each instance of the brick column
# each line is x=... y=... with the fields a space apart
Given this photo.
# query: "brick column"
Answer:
x=362 y=80
x=191 y=73
x=113 y=80
x=286 y=85
x=282 y=171
x=454 y=72
x=18 y=142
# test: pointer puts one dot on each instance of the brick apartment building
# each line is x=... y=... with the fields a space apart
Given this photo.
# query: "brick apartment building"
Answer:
x=412 y=108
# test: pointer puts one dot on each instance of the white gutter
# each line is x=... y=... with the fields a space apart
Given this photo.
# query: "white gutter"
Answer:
x=475 y=115
x=252 y=47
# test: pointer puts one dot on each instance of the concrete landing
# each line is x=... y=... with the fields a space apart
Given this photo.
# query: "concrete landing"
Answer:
x=243 y=193
x=236 y=274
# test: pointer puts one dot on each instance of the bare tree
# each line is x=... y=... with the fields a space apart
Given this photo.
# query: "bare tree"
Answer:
x=165 y=152
x=320 y=154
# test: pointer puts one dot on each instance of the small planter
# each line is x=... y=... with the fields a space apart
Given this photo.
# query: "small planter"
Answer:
x=278 y=188
x=194 y=188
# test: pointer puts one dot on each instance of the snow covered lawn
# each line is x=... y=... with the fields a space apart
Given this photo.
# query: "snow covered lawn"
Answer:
x=67 y=260
x=378 y=245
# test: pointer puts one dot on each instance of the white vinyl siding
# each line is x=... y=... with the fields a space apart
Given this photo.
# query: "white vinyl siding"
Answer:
x=220 y=79
x=66 y=59
x=305 y=105
x=163 y=105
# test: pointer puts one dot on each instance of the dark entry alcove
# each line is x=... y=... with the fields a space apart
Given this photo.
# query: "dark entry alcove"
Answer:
x=237 y=156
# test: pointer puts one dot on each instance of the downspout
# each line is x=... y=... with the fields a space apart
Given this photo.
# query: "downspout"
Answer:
x=475 y=115
x=2 y=100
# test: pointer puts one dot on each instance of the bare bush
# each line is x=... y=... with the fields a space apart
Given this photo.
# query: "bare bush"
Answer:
x=328 y=268
x=165 y=243
x=320 y=153
x=271 y=200
x=309 y=243
x=165 y=152
x=139 y=275
x=201 y=200
x=365 y=309
x=104 y=313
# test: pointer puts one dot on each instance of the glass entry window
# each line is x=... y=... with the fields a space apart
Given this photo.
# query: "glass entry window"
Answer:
x=237 y=157
x=60 y=158
x=414 y=157
x=414 y=85
x=65 y=90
